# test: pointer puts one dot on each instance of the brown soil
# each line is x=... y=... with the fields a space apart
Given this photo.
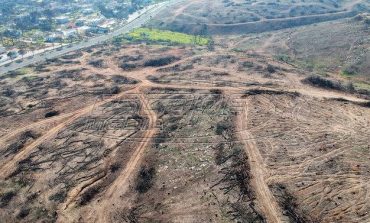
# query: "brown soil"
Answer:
x=217 y=136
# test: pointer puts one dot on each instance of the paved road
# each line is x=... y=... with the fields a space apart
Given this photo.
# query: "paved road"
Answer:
x=135 y=23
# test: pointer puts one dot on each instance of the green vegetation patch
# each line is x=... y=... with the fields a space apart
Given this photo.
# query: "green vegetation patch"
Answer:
x=167 y=36
x=22 y=72
x=362 y=86
x=284 y=58
x=346 y=73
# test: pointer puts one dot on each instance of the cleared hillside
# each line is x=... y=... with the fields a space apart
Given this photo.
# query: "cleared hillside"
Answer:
x=339 y=49
x=158 y=126
x=160 y=133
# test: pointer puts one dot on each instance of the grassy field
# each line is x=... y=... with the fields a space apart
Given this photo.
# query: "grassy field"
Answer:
x=167 y=36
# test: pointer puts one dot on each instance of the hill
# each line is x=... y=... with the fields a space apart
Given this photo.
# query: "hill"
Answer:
x=164 y=126
x=338 y=49
x=240 y=17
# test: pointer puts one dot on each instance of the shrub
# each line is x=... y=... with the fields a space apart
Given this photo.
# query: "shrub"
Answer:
x=247 y=64
x=115 y=90
x=271 y=69
x=114 y=167
x=350 y=87
x=99 y=63
x=289 y=204
x=161 y=61
x=223 y=126
x=88 y=195
x=145 y=179
x=171 y=127
x=51 y=114
x=216 y=91
x=118 y=79
x=220 y=74
x=365 y=104
x=8 y=92
x=269 y=92
x=24 y=212
x=72 y=56
x=153 y=79
x=13 y=148
x=128 y=66
x=318 y=81
x=284 y=58
x=351 y=70
x=6 y=198
x=127 y=58
x=160 y=138
x=59 y=196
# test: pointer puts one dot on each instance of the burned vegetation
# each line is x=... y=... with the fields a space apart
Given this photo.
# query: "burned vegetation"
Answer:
x=269 y=92
x=289 y=205
x=30 y=97
x=150 y=133
x=311 y=154
x=76 y=157
x=195 y=169
x=321 y=82
x=16 y=145
x=132 y=63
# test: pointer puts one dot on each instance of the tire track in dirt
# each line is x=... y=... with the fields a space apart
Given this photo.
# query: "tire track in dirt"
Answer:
x=10 y=166
x=264 y=196
x=8 y=136
x=7 y=168
x=121 y=184
x=270 y=208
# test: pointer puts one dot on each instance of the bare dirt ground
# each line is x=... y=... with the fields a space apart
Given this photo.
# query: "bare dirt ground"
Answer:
x=151 y=133
x=307 y=47
x=265 y=197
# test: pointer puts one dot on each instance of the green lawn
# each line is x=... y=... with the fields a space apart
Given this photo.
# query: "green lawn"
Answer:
x=167 y=36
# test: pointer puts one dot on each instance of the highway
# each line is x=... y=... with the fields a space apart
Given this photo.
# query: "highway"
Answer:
x=137 y=22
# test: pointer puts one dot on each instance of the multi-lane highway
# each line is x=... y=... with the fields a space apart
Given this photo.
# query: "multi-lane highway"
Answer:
x=141 y=18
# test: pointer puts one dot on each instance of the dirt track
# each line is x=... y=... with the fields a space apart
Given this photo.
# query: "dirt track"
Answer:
x=266 y=199
x=262 y=177
x=121 y=184
x=7 y=168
